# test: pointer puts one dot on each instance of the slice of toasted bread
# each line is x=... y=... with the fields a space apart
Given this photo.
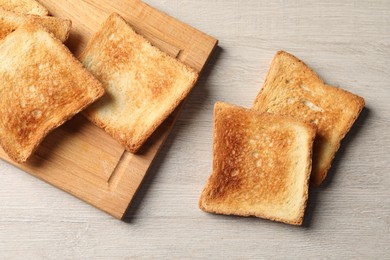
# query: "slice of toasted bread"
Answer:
x=24 y=6
x=261 y=165
x=10 y=21
x=292 y=88
x=42 y=85
x=144 y=84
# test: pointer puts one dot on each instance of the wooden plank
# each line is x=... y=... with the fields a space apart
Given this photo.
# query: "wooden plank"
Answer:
x=346 y=42
x=80 y=158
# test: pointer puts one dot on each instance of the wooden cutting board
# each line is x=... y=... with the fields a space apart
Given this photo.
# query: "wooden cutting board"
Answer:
x=80 y=158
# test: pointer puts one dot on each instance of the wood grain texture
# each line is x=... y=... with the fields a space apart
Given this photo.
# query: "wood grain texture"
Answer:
x=82 y=159
x=346 y=42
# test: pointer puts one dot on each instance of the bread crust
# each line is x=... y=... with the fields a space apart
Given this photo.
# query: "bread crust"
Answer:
x=144 y=84
x=42 y=86
x=10 y=21
x=24 y=6
x=291 y=88
x=261 y=165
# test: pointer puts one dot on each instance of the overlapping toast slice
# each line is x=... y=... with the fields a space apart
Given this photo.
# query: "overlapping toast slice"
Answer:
x=144 y=84
x=41 y=85
x=293 y=89
x=261 y=165
x=24 y=6
x=10 y=21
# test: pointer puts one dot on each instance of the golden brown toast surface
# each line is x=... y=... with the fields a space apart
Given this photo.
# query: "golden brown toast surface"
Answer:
x=24 y=6
x=144 y=85
x=293 y=89
x=41 y=86
x=10 y=21
x=261 y=165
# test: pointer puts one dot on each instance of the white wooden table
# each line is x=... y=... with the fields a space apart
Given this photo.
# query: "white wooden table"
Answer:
x=346 y=42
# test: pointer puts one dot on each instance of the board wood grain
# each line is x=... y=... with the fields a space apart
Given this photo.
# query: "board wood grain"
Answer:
x=345 y=42
x=82 y=159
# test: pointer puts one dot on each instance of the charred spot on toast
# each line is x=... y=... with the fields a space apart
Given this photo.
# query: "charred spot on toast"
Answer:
x=230 y=144
x=261 y=165
x=5 y=30
x=250 y=152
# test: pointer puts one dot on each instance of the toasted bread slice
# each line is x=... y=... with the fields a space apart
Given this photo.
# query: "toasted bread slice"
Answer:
x=10 y=21
x=24 y=6
x=261 y=165
x=144 y=84
x=42 y=85
x=292 y=88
